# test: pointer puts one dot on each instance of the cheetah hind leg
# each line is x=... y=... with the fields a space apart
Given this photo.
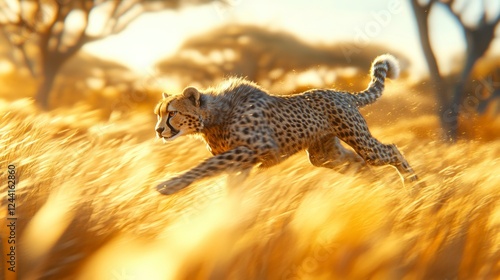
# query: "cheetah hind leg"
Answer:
x=409 y=176
x=329 y=153
x=376 y=153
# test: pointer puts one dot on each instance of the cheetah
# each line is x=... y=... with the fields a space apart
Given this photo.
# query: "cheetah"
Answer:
x=244 y=126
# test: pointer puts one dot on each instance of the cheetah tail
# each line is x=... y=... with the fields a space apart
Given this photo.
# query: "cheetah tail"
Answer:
x=383 y=66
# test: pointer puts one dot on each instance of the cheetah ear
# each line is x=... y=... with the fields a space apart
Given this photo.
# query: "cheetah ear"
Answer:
x=164 y=94
x=192 y=94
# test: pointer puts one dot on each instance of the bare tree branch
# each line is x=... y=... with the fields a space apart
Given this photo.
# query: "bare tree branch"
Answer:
x=478 y=39
x=44 y=41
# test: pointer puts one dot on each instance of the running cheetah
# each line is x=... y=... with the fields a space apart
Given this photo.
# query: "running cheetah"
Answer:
x=244 y=126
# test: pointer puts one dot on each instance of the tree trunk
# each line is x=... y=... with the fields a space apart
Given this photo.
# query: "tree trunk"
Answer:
x=456 y=103
x=451 y=111
x=51 y=64
x=42 y=96
x=445 y=109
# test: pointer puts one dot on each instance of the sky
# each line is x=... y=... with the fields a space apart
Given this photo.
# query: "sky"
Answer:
x=158 y=35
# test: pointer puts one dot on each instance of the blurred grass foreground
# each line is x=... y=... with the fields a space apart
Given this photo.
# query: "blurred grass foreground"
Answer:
x=78 y=132
x=87 y=207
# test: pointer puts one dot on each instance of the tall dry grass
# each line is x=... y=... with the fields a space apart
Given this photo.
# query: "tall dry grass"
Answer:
x=87 y=207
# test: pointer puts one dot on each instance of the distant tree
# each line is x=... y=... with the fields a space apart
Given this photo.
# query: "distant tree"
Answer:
x=490 y=92
x=478 y=38
x=46 y=33
x=259 y=54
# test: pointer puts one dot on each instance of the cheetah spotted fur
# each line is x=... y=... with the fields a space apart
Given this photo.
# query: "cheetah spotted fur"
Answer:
x=244 y=126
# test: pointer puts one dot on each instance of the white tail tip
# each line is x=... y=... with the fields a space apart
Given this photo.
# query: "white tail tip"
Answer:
x=392 y=64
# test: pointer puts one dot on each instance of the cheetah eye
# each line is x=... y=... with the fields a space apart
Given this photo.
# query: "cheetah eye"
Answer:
x=172 y=113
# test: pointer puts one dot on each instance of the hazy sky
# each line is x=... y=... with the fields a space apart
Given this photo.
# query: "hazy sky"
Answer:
x=157 y=35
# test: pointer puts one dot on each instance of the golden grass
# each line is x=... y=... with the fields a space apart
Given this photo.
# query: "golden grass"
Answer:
x=88 y=209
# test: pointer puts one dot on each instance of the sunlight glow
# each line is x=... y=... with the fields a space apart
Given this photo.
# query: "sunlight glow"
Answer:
x=160 y=34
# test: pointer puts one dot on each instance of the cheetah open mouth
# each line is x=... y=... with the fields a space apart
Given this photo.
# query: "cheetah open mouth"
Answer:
x=172 y=136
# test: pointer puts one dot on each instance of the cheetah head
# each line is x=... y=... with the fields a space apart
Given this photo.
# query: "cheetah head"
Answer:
x=179 y=115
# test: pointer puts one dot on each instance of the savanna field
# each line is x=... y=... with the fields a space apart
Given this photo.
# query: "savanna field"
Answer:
x=87 y=206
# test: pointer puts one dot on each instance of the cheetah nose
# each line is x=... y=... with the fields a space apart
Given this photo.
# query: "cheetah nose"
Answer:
x=160 y=129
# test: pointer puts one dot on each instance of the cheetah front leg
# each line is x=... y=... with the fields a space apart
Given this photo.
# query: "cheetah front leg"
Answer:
x=328 y=152
x=235 y=160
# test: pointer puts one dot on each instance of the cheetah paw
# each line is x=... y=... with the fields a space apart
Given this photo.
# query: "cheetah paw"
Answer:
x=171 y=186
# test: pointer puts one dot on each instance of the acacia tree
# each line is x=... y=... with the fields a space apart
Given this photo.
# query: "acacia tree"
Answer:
x=259 y=54
x=478 y=38
x=46 y=33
